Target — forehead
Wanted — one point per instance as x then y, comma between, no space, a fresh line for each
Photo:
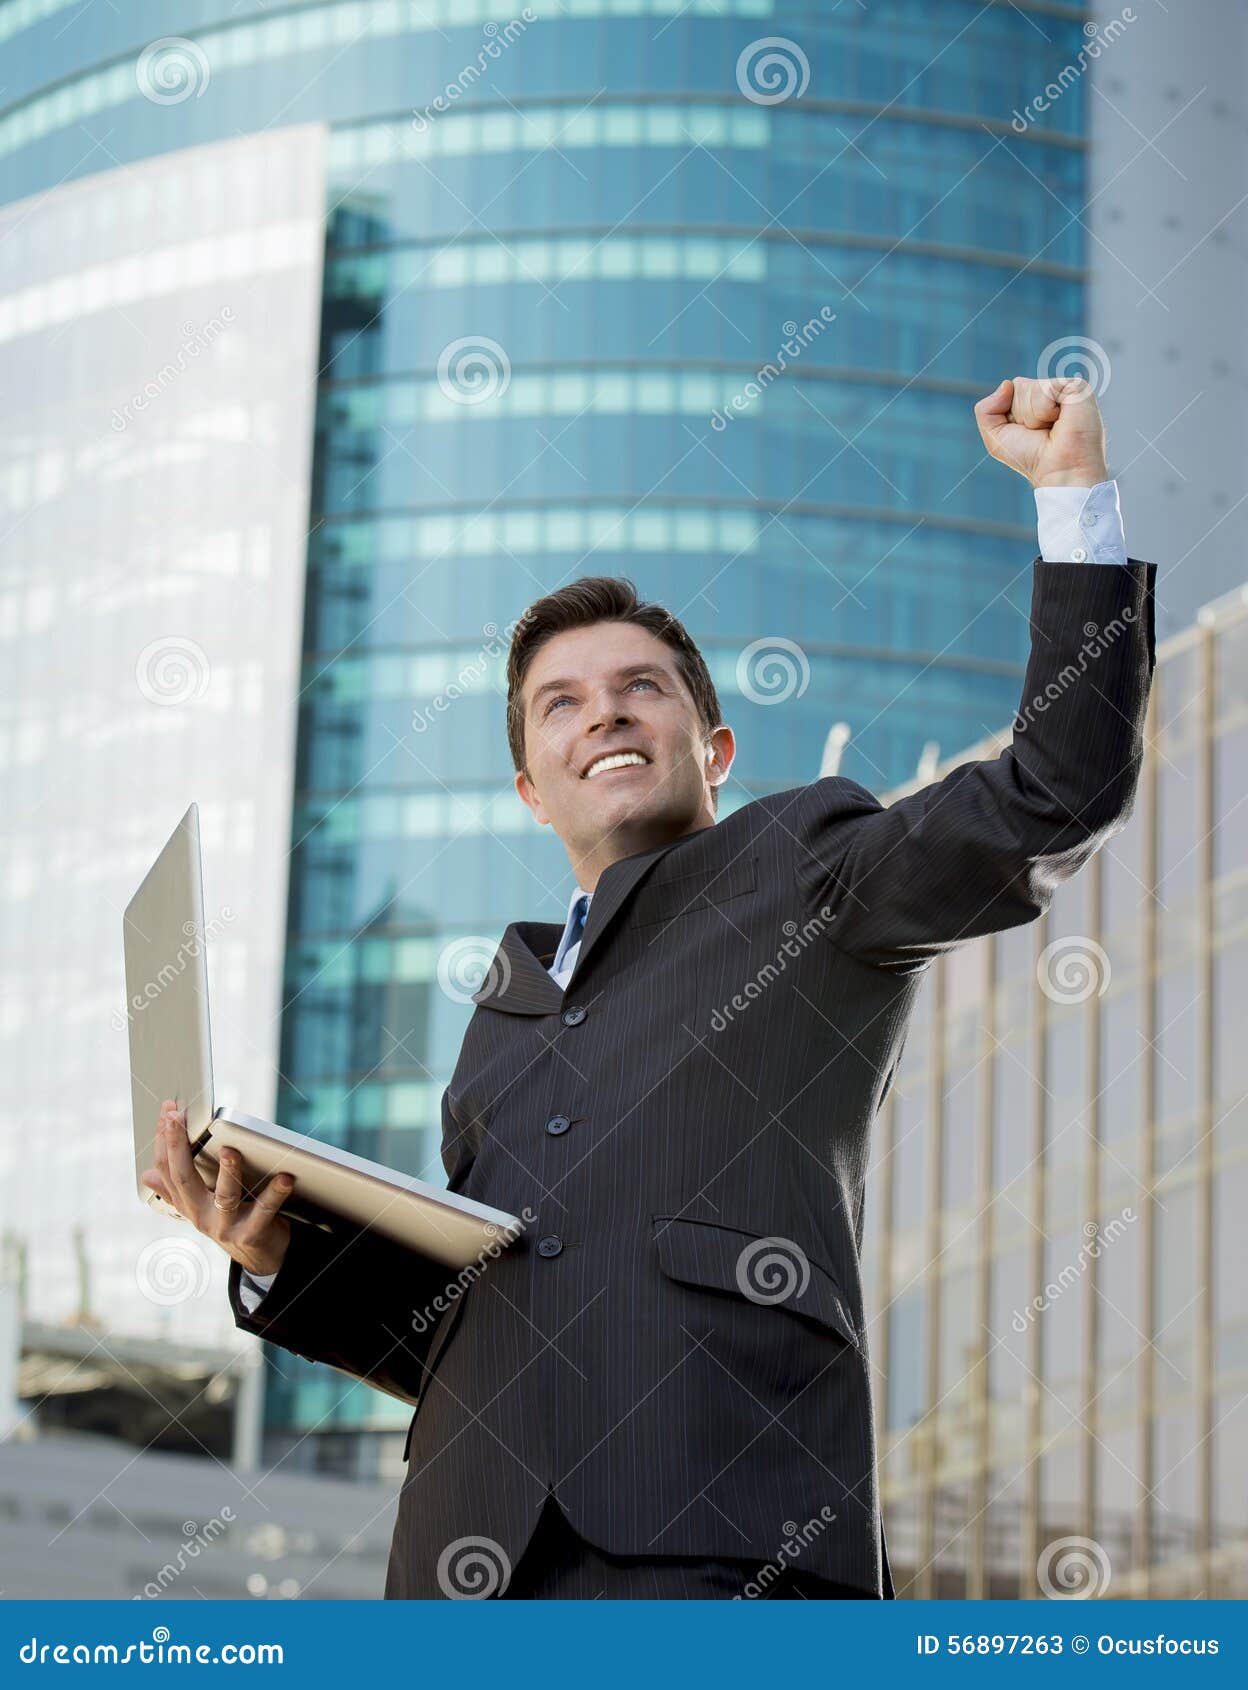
595,653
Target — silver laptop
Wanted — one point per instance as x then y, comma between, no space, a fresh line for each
171,1056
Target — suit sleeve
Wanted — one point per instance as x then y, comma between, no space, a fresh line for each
984,848
357,1300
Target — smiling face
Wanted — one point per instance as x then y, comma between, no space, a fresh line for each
617,759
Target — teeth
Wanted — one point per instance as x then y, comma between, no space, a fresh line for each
621,760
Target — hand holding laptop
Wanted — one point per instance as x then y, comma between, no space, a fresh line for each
252,1233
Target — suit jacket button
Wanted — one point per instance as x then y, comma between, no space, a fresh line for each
557,1124
550,1245
574,1017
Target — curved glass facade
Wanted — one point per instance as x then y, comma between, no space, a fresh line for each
636,236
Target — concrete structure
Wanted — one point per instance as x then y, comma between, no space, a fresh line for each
1055,1240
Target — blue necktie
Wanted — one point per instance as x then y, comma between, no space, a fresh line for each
575,928
579,912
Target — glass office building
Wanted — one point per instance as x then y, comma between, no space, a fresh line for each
1055,1232
698,293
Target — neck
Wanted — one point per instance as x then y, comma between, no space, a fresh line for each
593,863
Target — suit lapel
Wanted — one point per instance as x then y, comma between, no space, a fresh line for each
518,981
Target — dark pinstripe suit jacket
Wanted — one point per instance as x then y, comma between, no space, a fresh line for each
685,1365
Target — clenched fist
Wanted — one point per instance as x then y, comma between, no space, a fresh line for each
1047,428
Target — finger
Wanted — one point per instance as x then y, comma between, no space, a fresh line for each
227,1193
270,1200
153,1181
992,411
168,1110
1035,401
191,1193
993,418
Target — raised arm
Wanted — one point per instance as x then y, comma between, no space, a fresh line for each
984,848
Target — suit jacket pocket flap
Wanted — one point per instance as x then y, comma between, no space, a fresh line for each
772,1271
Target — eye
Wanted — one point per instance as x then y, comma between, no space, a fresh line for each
643,681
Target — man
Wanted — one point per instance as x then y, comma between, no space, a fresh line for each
662,1388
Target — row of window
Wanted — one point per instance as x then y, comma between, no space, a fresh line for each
331,25
477,383
563,128
613,257
557,260
555,528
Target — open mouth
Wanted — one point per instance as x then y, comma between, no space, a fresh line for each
613,762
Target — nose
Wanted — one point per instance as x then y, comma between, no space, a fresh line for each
609,713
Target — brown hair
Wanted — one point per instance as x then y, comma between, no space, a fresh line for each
602,598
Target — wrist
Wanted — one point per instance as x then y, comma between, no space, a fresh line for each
1087,475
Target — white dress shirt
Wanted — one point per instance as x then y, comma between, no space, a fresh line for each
1075,525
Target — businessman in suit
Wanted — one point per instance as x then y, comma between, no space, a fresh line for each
662,1388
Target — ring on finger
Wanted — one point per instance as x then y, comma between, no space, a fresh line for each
227,1208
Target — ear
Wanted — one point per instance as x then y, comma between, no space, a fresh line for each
720,754
528,794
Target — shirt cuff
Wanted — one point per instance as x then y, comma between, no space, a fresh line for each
1080,524
252,1287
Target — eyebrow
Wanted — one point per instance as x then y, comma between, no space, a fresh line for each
620,675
